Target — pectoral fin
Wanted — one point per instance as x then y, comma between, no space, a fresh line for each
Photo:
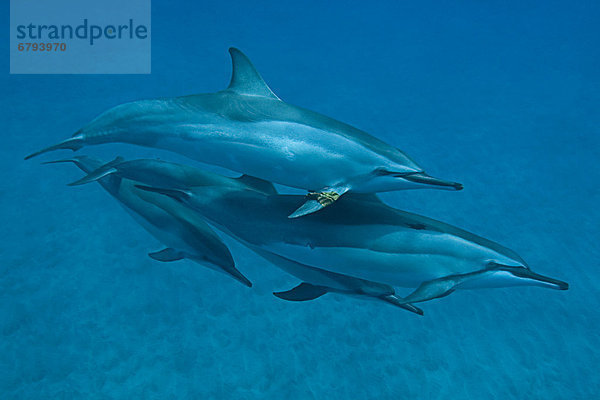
315,201
302,292
167,255
431,290
99,173
309,207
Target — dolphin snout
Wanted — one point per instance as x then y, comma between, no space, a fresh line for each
423,178
549,282
538,279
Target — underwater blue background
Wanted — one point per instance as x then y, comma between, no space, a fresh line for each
501,96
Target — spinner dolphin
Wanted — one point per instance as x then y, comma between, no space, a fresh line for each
184,233
248,129
364,238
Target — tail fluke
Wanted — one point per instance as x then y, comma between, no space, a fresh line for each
74,143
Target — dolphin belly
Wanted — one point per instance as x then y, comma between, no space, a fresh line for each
401,270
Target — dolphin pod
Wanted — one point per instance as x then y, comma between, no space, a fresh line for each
355,245
248,129
360,246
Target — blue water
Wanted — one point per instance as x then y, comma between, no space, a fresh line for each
501,96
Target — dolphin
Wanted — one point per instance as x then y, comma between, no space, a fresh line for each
361,238
185,234
181,176
364,238
248,129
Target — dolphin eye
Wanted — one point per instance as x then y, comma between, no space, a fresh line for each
386,172
417,226
381,172
395,174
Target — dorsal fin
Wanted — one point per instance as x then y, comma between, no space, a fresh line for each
258,184
245,79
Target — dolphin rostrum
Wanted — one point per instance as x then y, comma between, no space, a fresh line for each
360,238
185,234
248,129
